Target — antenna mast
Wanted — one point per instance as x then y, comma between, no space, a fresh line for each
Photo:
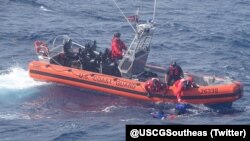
138,51
154,11
124,16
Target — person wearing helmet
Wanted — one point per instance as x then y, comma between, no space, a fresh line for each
67,45
154,85
173,73
68,52
117,47
183,84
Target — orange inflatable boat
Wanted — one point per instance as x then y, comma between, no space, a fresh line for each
67,62
210,94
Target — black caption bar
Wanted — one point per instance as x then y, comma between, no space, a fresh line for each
209,132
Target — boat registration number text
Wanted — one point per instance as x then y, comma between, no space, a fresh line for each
209,91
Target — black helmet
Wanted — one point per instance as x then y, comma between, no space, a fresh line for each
155,81
173,63
67,43
66,39
117,34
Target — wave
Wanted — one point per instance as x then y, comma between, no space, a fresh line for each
13,115
71,136
17,78
109,108
44,8
15,84
244,43
27,2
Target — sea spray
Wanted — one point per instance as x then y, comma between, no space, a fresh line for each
15,83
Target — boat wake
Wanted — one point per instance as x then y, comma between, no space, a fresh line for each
16,83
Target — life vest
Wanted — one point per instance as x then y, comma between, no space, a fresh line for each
179,88
181,85
41,48
184,83
155,85
174,72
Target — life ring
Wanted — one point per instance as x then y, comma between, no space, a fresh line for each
41,48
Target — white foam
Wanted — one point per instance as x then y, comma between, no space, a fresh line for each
109,108
127,120
12,116
16,79
44,8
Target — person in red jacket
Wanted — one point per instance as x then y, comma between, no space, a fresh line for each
117,47
154,85
183,84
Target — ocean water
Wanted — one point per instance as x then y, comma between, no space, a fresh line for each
205,37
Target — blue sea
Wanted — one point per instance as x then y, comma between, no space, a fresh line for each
204,37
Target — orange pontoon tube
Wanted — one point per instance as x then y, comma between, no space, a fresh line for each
131,88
